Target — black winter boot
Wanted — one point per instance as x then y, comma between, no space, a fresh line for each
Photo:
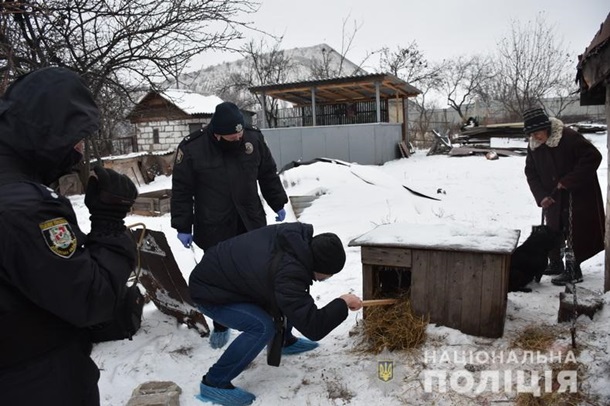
555,267
565,277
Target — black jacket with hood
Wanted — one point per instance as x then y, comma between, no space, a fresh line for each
238,270
215,192
54,279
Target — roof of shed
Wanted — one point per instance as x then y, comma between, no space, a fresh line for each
593,68
340,90
191,102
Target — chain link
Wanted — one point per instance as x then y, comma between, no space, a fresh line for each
571,269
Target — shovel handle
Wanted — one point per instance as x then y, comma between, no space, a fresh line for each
378,302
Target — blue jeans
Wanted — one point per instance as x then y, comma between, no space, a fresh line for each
257,329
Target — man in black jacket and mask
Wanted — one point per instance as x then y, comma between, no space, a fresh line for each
243,281
55,281
215,181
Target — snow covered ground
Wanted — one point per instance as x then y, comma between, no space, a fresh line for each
475,193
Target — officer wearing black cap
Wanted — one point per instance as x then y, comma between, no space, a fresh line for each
217,173
245,280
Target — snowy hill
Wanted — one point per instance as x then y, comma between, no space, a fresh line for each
304,60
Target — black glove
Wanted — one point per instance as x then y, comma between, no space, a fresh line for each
109,197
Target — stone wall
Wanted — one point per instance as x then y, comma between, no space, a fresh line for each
170,133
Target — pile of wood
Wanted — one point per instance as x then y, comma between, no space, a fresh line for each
480,136
498,139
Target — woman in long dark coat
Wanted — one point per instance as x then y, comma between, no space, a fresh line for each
561,163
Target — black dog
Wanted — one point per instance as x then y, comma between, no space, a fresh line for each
529,260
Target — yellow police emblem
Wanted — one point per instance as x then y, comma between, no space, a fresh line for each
59,237
179,155
385,370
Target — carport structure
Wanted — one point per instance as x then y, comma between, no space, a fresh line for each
353,99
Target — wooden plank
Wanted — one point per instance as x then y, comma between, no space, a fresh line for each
471,294
437,286
419,283
455,280
367,284
398,257
504,286
378,302
367,281
493,308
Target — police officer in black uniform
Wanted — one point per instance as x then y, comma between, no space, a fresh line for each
55,281
216,175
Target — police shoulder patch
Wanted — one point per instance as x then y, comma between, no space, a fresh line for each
179,155
59,237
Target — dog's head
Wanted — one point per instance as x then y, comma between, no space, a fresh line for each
543,237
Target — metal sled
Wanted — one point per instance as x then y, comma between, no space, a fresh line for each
164,282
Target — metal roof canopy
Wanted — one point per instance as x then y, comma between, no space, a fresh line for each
340,90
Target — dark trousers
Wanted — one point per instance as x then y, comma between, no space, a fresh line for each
65,376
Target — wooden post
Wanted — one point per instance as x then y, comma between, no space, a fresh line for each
377,101
607,244
313,106
264,99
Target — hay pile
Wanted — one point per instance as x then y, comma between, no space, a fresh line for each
556,398
540,338
535,338
393,327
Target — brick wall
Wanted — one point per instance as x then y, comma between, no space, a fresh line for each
170,133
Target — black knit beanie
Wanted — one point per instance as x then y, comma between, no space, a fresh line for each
328,253
227,119
535,119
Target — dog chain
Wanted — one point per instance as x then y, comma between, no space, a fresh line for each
571,272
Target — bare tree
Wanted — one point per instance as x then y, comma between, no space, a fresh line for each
117,46
265,65
563,94
531,65
332,64
410,65
463,79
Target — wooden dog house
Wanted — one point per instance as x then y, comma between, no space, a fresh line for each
154,203
457,276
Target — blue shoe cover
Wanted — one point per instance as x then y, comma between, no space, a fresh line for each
219,339
301,345
226,397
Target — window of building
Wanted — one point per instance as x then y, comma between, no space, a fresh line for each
195,127
155,136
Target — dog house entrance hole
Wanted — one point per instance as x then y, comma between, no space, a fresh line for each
390,282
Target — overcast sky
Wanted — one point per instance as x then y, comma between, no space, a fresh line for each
441,28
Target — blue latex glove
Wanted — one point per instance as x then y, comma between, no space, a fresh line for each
219,339
186,239
281,215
